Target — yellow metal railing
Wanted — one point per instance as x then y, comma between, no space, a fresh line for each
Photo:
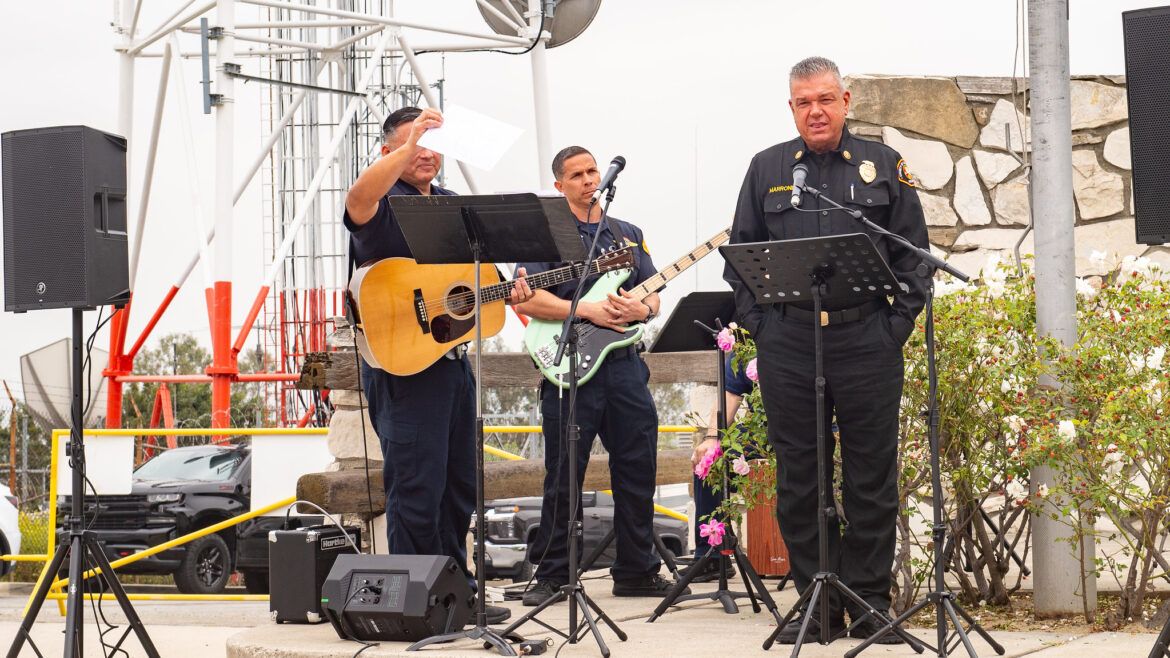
59,584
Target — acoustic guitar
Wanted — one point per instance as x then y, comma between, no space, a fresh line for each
409,315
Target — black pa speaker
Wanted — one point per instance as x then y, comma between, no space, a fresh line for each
402,598
64,218
1147,72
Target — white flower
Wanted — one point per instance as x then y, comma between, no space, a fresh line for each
1067,430
991,271
1097,259
1012,384
1016,489
1114,461
1154,359
1015,423
995,288
1085,289
1042,491
1114,315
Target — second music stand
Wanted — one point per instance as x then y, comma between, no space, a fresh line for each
687,331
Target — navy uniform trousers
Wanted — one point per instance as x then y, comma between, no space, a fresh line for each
426,425
863,370
615,404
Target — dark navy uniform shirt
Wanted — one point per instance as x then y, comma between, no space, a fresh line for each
736,383
860,174
630,234
381,237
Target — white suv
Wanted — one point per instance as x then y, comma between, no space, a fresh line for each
9,528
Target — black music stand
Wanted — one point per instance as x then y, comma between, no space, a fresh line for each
839,268
686,331
477,229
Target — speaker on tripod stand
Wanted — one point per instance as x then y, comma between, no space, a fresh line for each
65,247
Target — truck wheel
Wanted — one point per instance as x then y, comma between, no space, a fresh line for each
206,567
256,582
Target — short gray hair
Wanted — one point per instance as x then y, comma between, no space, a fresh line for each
813,66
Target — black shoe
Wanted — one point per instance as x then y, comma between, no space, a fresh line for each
710,571
790,631
540,592
869,626
646,586
496,614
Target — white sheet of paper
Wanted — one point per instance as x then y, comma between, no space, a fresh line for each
278,461
471,137
109,465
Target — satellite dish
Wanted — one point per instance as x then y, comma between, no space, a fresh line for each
565,21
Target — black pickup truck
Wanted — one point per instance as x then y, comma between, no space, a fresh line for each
176,492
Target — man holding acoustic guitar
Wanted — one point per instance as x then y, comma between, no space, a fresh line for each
425,420
614,404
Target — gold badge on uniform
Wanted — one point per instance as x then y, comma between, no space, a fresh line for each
846,155
867,170
798,154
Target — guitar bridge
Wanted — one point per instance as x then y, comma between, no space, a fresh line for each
420,311
545,355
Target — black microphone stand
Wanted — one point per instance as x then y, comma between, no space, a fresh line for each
946,608
573,590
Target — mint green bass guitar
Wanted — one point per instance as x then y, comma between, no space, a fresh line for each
594,342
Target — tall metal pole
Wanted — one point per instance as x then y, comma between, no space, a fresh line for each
1057,571
223,366
540,102
118,364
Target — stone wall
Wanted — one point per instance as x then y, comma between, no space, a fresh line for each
954,134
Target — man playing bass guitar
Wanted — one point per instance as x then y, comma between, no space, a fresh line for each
615,405
425,422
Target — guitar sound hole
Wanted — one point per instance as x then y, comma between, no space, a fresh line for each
460,301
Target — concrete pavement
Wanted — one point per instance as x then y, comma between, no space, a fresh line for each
695,629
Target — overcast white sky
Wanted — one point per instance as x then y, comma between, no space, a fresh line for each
686,90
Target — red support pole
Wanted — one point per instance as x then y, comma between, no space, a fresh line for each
162,307
223,362
117,365
257,304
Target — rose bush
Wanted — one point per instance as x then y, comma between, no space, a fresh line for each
1010,401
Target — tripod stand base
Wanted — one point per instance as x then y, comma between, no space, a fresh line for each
1161,647
584,604
811,597
491,638
751,580
944,603
80,545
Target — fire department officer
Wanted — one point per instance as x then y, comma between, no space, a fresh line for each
862,342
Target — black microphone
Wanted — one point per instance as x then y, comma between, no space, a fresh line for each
615,168
799,173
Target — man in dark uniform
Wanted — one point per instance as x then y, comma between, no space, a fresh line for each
862,343
614,404
425,422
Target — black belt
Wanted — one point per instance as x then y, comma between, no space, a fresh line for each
626,352
841,316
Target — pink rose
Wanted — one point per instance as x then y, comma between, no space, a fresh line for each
725,340
713,531
741,466
751,371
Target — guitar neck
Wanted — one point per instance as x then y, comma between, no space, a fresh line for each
658,281
540,280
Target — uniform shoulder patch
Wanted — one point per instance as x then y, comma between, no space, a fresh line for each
644,248
904,174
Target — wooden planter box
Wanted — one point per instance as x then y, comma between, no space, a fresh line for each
765,546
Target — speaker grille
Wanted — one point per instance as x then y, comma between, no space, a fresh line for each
1147,70
64,218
